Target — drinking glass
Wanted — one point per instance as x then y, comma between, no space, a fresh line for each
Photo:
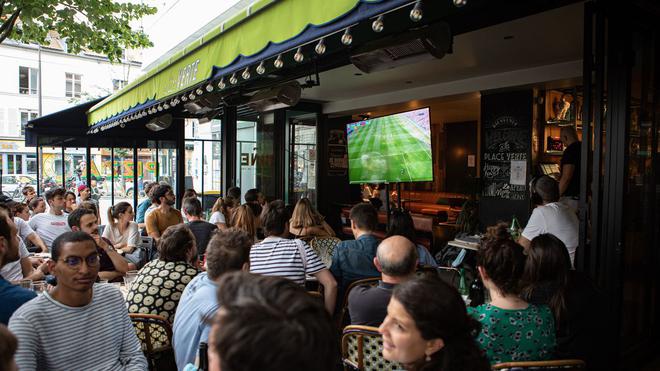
40,287
26,284
129,278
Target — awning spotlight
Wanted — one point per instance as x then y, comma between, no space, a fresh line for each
199,91
460,3
261,69
209,88
378,25
246,73
279,63
221,83
347,38
299,56
233,79
416,13
320,47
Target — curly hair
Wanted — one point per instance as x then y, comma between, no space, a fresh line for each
439,312
175,243
502,259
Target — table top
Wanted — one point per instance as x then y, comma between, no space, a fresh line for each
464,244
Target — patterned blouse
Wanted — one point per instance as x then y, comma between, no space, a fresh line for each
158,288
509,335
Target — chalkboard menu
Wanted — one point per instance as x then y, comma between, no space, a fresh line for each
506,122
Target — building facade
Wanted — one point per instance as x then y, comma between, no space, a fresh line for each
66,79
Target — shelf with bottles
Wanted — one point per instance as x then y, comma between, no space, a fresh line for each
563,107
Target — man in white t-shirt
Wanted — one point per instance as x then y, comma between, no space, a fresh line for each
26,233
51,224
551,216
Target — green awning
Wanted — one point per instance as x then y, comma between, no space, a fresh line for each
266,22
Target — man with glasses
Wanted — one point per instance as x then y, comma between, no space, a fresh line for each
53,223
164,215
79,325
112,264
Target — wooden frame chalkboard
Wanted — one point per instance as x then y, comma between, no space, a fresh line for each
506,127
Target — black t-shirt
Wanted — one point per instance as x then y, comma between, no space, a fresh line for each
203,232
572,157
367,305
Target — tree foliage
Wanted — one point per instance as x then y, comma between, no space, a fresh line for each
101,26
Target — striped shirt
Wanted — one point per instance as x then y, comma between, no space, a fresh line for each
276,256
98,336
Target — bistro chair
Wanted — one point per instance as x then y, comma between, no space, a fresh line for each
324,247
450,275
558,364
344,318
361,349
155,335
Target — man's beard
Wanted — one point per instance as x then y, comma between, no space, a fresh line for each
170,203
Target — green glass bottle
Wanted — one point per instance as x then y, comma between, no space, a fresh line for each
463,288
514,229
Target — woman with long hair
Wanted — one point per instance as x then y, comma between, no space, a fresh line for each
513,329
69,202
427,328
221,211
123,232
242,218
401,223
572,297
307,222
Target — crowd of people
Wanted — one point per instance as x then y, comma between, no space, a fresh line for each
237,282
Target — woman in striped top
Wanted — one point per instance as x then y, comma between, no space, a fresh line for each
293,259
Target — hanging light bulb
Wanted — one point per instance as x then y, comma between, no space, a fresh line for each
460,3
192,96
347,38
159,108
199,91
166,106
416,13
279,63
299,57
233,79
209,88
184,98
378,24
320,47
221,83
261,69
246,73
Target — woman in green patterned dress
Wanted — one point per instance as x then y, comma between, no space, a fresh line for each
512,329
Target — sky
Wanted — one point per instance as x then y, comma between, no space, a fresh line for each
176,20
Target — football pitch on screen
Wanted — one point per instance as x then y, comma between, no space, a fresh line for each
389,149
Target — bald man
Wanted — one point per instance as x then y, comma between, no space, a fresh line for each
396,260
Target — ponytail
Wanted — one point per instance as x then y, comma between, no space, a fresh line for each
115,211
111,218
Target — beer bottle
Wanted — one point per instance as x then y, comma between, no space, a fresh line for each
514,229
203,357
462,286
476,293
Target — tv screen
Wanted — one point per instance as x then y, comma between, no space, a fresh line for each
394,148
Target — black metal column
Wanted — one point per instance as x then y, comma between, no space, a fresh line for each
228,135
180,160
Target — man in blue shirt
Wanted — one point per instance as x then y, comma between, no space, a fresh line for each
11,296
226,252
353,260
144,205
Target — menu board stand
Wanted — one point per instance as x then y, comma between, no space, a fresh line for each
506,126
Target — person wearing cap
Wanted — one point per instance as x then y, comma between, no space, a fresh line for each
84,193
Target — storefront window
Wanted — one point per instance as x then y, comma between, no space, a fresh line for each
265,157
146,170
51,168
122,164
246,155
203,148
101,170
167,164
75,168
301,181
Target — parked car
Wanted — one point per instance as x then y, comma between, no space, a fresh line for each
12,185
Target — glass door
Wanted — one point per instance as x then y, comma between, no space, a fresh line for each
302,157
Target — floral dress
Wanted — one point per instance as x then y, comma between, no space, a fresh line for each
158,288
515,335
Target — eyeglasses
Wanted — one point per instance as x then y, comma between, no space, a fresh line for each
76,261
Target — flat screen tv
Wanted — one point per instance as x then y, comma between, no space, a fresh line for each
390,149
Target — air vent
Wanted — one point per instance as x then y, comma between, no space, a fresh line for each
433,41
